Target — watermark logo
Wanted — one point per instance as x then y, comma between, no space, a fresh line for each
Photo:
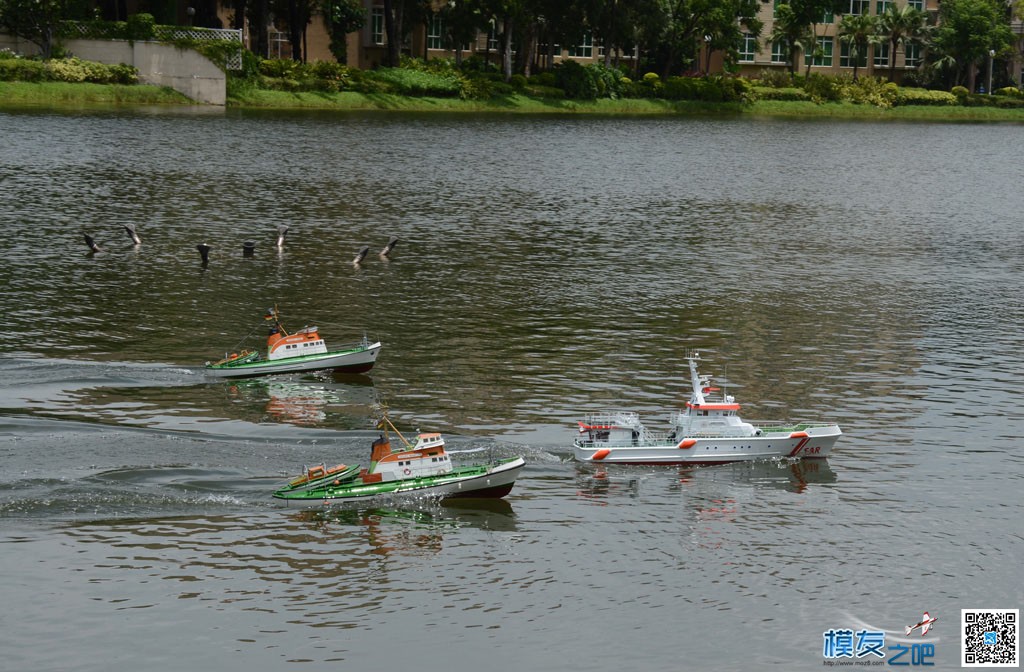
848,646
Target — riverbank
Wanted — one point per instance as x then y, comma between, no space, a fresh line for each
62,94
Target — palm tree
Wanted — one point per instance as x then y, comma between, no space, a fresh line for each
859,31
904,25
789,29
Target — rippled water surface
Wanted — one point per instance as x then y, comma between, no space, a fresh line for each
870,274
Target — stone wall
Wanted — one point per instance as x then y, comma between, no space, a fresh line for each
183,70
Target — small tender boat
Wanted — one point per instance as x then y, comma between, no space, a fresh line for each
320,475
709,431
422,469
303,350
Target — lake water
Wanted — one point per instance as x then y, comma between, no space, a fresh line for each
866,273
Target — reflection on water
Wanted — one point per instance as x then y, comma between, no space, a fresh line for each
568,275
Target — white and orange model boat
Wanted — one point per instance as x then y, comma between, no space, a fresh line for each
301,351
709,431
422,469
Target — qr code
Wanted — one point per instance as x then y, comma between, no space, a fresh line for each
989,637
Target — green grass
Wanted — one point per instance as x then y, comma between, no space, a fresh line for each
65,93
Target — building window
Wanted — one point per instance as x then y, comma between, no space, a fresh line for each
435,31
917,4
780,52
859,7
377,25
847,61
822,54
913,57
882,5
748,47
827,16
585,49
881,55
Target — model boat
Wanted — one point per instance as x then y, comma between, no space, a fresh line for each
423,468
709,431
298,352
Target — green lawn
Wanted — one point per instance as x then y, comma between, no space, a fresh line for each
63,94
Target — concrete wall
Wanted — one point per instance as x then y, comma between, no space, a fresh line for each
183,70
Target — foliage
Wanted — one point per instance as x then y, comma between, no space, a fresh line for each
870,91
342,17
1011,91
72,70
22,70
967,31
576,81
823,88
37,20
902,25
140,27
779,93
418,82
859,31
779,79
960,91
912,96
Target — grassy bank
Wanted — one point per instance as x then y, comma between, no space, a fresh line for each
66,93
63,94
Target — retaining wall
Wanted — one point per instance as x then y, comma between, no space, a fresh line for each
183,70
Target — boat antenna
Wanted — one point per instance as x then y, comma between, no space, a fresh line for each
385,422
274,315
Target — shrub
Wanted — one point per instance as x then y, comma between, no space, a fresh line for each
576,81
140,26
22,70
651,78
960,91
788,93
1011,91
540,91
279,67
913,96
869,91
607,80
777,79
823,89
518,82
544,79
418,82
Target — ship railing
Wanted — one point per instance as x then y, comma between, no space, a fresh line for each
784,426
627,419
645,437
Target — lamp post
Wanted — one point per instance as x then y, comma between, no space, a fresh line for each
707,51
991,57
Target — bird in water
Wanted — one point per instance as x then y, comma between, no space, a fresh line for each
386,252
204,252
360,255
282,231
130,228
93,246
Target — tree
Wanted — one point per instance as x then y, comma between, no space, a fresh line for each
297,15
35,20
791,30
902,25
859,31
967,31
342,17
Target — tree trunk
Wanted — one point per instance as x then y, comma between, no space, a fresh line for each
506,48
294,30
393,30
258,29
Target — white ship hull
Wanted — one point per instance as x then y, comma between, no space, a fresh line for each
359,360
809,441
